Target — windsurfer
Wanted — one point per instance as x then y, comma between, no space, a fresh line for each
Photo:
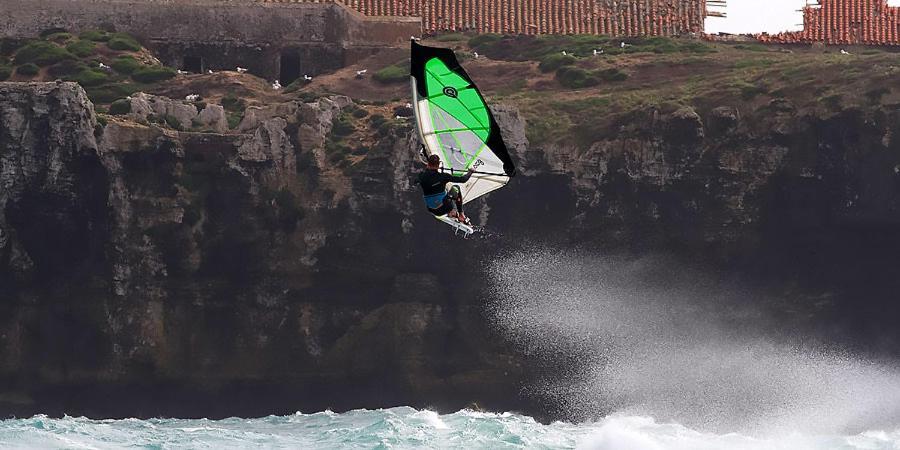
434,188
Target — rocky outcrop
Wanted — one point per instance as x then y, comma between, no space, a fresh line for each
178,114
146,264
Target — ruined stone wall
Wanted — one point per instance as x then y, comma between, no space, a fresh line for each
225,35
197,21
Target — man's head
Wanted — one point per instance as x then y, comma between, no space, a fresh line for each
434,162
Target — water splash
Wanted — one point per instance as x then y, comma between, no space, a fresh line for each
650,337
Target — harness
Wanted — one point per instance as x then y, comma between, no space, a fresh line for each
435,201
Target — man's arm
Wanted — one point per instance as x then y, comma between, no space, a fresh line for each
458,178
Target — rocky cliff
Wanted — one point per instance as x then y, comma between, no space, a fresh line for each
147,271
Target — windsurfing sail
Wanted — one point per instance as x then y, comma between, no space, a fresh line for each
455,123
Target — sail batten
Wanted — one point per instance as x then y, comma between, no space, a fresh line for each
455,123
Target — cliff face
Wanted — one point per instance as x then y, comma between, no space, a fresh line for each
153,272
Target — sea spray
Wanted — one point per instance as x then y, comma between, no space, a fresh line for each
652,337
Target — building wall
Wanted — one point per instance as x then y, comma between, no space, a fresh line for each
846,22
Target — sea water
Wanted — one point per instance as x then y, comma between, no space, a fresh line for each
404,428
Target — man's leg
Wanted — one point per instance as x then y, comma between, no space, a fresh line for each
456,195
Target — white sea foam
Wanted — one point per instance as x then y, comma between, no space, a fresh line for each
407,428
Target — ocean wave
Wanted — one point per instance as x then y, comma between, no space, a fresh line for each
406,428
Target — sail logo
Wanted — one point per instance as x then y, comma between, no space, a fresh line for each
451,92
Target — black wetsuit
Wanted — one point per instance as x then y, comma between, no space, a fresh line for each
434,188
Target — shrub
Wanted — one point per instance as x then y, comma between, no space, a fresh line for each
66,68
8,46
95,35
51,31
173,122
376,120
110,92
359,113
5,72
552,62
340,127
120,107
90,77
42,53
60,38
81,49
123,42
28,69
576,77
612,74
125,65
233,104
234,119
392,74
152,74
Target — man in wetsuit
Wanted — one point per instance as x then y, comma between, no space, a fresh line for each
434,188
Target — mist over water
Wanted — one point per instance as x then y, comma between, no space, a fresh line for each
650,337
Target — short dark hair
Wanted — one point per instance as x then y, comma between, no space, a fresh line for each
434,160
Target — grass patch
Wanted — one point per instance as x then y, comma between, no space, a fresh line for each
82,48
125,65
5,72
95,35
752,62
42,53
397,73
152,74
66,68
874,95
120,107
28,70
452,37
359,113
751,47
123,42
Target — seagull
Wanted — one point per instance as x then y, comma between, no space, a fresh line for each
103,66
564,53
475,54
276,85
598,52
192,97
241,70
209,71
307,77
181,72
409,105
359,73
624,44
844,52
